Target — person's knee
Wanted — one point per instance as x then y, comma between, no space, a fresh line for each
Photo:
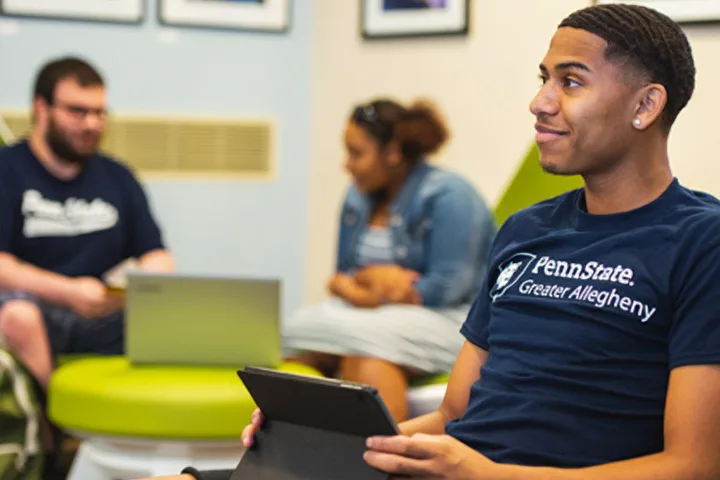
20,323
369,368
327,364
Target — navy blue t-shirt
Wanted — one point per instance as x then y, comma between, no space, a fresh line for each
583,317
81,227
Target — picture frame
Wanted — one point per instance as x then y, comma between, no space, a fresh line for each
386,19
107,11
682,11
250,15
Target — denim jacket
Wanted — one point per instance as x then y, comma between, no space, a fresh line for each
441,228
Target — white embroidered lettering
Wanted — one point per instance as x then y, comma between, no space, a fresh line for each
45,218
589,271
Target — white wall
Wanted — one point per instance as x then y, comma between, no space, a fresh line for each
483,83
695,142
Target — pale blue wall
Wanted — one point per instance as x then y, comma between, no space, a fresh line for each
254,228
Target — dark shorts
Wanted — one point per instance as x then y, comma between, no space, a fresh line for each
71,334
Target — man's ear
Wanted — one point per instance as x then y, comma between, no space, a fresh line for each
40,109
650,105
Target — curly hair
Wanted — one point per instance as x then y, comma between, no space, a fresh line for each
647,40
418,128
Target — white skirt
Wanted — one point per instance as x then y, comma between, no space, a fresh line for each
412,336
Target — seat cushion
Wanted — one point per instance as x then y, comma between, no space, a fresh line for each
426,394
65,359
439,379
109,396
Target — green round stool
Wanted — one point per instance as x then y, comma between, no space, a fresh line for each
146,421
426,394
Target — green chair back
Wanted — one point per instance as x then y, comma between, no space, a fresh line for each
531,184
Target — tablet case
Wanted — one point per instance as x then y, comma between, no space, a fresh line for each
314,429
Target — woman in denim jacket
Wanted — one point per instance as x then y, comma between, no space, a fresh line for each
413,247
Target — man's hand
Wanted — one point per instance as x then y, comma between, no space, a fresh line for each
428,457
89,298
392,283
248,433
157,261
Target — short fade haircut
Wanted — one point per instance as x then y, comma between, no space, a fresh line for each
648,41
59,69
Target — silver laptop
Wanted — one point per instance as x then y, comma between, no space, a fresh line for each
173,319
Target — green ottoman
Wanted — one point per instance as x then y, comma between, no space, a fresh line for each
145,421
426,394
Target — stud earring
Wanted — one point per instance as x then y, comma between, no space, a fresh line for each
637,122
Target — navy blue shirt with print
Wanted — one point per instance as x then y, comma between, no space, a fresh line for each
81,227
583,317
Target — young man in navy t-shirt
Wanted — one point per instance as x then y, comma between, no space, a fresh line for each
593,349
68,214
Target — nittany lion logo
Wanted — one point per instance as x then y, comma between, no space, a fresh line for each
507,274
510,272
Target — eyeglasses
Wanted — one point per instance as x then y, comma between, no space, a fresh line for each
80,113
367,115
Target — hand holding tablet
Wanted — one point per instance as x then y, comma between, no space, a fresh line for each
310,428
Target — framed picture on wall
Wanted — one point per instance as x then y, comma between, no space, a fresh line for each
682,11
413,18
118,11
262,15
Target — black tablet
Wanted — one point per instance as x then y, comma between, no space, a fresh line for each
315,428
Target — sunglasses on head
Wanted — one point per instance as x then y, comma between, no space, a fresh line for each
367,116
366,113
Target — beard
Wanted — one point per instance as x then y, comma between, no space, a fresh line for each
63,148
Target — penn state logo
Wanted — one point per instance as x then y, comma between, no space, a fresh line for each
510,272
